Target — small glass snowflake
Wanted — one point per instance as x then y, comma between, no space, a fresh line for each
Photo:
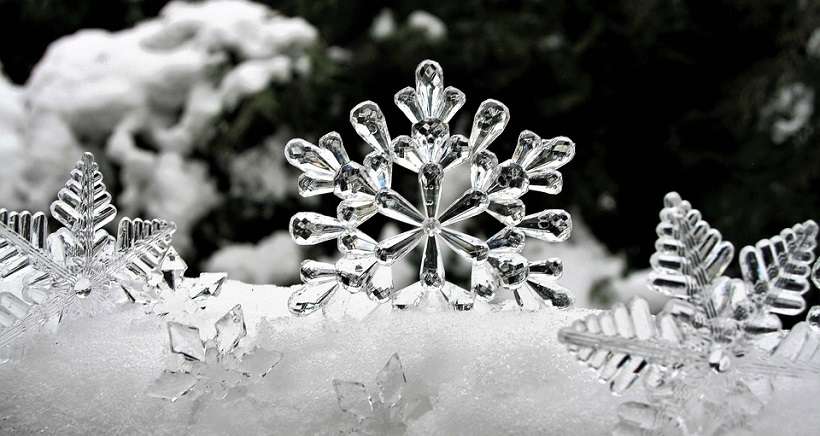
215,366
430,151
77,268
701,359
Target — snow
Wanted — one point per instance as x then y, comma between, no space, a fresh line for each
491,373
384,25
789,111
427,23
274,259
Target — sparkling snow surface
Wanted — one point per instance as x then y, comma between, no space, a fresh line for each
491,373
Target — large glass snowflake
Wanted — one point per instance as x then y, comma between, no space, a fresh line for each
430,151
78,267
702,359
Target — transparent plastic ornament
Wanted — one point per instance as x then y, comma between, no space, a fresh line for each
215,366
430,151
700,359
79,268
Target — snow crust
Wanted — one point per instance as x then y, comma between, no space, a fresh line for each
492,373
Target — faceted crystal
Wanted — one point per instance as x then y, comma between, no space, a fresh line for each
173,268
431,275
510,268
332,142
509,212
230,329
465,245
557,295
489,122
311,159
482,170
549,269
308,228
356,243
431,135
551,225
380,170
407,101
369,122
353,398
355,272
430,178
431,226
453,101
393,205
310,186
308,298
259,362
527,148
527,299
470,204
510,182
396,247
207,284
172,385
509,240
314,272
355,211
390,382
554,154
547,181
354,180
408,153
185,341
482,281
456,150
813,318
429,87
380,285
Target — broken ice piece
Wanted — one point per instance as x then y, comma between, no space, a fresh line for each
353,398
173,269
390,381
207,284
185,340
230,329
258,362
172,385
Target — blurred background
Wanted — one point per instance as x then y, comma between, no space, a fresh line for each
188,105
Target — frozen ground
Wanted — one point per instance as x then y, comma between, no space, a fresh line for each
496,373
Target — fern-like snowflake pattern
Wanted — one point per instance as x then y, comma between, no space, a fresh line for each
430,151
78,267
700,359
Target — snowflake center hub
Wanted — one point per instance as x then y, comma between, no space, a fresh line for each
431,226
82,287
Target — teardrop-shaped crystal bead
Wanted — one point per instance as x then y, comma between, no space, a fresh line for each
482,169
509,268
459,298
353,273
509,212
380,285
310,185
467,246
559,296
431,134
453,101
311,159
309,298
368,120
482,281
353,180
379,169
332,142
554,154
509,240
354,211
551,225
431,274
547,181
429,87
392,204
408,153
430,178
456,150
527,148
308,228
396,247
489,121
314,272
510,182
407,101
548,269
470,204
356,243
527,299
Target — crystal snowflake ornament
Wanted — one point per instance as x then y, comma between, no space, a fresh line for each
430,151
383,407
215,366
80,266
701,359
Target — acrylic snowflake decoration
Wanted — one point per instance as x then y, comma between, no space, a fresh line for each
430,151
383,407
79,266
215,366
700,359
